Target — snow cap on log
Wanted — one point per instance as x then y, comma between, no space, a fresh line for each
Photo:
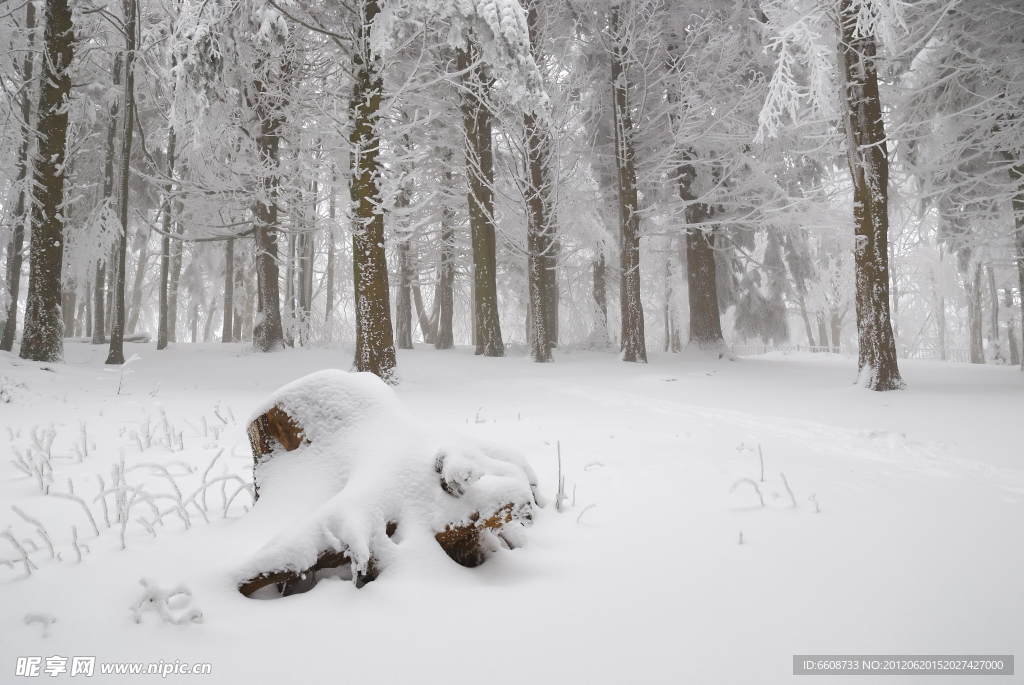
341,466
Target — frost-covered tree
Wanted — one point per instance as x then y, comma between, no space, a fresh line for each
857,33
44,325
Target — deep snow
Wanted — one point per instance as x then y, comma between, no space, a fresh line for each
918,547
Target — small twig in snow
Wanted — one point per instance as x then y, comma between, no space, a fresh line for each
75,498
747,480
102,498
24,555
74,542
589,506
786,483
39,528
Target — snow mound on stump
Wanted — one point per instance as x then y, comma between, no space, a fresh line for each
341,467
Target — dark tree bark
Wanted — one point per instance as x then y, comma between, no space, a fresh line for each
551,290
162,327
701,279
480,171
837,328
268,333
238,312
869,169
17,244
227,331
444,293
140,277
101,312
306,241
116,352
375,349
99,296
633,343
822,331
539,233
599,290
403,308
43,336
426,328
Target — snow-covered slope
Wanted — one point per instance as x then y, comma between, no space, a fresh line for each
891,522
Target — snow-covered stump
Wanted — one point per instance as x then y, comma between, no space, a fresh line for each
347,476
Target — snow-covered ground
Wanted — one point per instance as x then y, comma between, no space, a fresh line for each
904,533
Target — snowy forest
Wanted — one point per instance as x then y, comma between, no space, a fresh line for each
506,341
639,174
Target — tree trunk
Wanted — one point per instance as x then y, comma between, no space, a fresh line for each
837,325
633,343
671,325
99,297
972,284
268,333
823,332
289,294
806,318
238,308
599,291
375,349
994,341
403,308
1010,334
329,312
701,279
305,244
17,244
539,233
116,353
444,293
251,296
1017,174
210,316
227,331
109,264
140,277
42,339
68,300
88,310
174,280
869,170
426,329
165,245
551,290
480,172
